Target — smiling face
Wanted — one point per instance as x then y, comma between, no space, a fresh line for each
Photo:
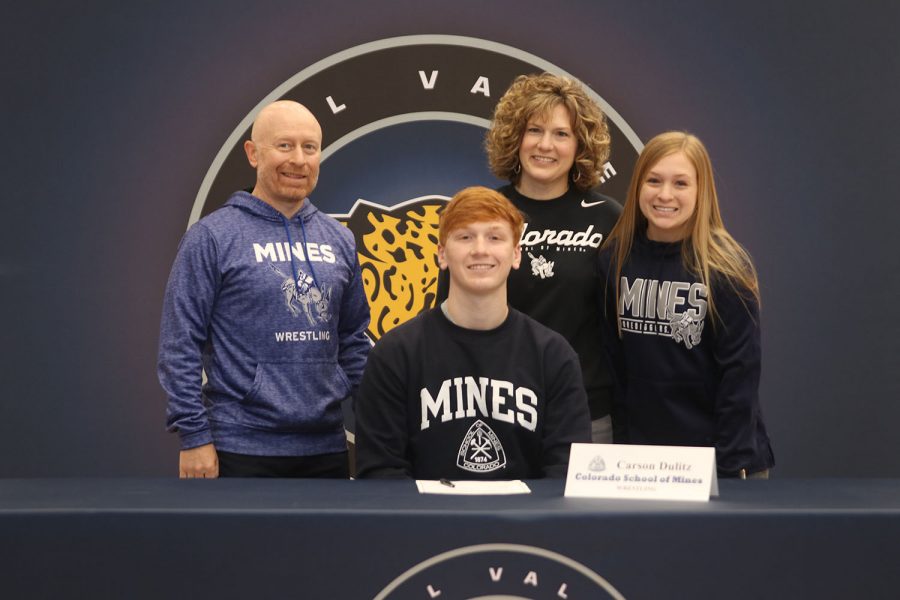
479,257
668,198
547,153
285,150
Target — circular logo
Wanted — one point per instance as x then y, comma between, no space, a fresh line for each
403,122
500,572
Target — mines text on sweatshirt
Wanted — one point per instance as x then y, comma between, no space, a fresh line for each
440,401
684,380
273,310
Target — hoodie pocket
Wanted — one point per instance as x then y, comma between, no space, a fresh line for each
674,413
296,397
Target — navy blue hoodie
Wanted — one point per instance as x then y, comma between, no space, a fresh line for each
273,310
682,379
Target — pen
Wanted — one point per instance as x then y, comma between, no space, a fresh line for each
447,482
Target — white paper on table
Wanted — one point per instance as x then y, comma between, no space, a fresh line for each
473,488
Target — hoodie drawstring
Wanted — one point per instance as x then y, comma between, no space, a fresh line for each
306,255
287,230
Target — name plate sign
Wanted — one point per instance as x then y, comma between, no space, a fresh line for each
650,472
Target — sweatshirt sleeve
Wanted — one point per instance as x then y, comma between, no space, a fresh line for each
612,346
381,433
353,344
737,353
187,309
567,418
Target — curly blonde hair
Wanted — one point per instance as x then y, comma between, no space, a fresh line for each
531,95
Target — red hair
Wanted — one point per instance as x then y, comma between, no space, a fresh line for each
477,205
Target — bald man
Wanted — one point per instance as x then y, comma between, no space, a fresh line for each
265,298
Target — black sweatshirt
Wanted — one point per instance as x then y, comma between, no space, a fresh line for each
440,401
683,378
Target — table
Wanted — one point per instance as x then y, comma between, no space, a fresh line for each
169,538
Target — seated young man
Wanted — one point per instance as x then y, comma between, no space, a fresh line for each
471,389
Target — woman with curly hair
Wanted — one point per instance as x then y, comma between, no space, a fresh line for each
681,309
550,140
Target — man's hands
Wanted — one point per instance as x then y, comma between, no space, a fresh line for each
199,462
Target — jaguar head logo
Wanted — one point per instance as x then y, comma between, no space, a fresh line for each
397,249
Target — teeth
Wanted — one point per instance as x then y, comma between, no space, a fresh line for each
665,208
479,267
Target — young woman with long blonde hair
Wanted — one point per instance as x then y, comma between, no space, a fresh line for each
681,309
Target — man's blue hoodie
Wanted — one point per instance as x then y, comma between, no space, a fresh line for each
274,313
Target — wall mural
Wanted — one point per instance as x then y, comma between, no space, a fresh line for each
403,121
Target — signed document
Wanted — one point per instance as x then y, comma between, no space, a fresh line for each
472,488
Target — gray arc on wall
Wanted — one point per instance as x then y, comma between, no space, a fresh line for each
422,78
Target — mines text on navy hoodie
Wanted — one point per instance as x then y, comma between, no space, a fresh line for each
682,379
273,311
